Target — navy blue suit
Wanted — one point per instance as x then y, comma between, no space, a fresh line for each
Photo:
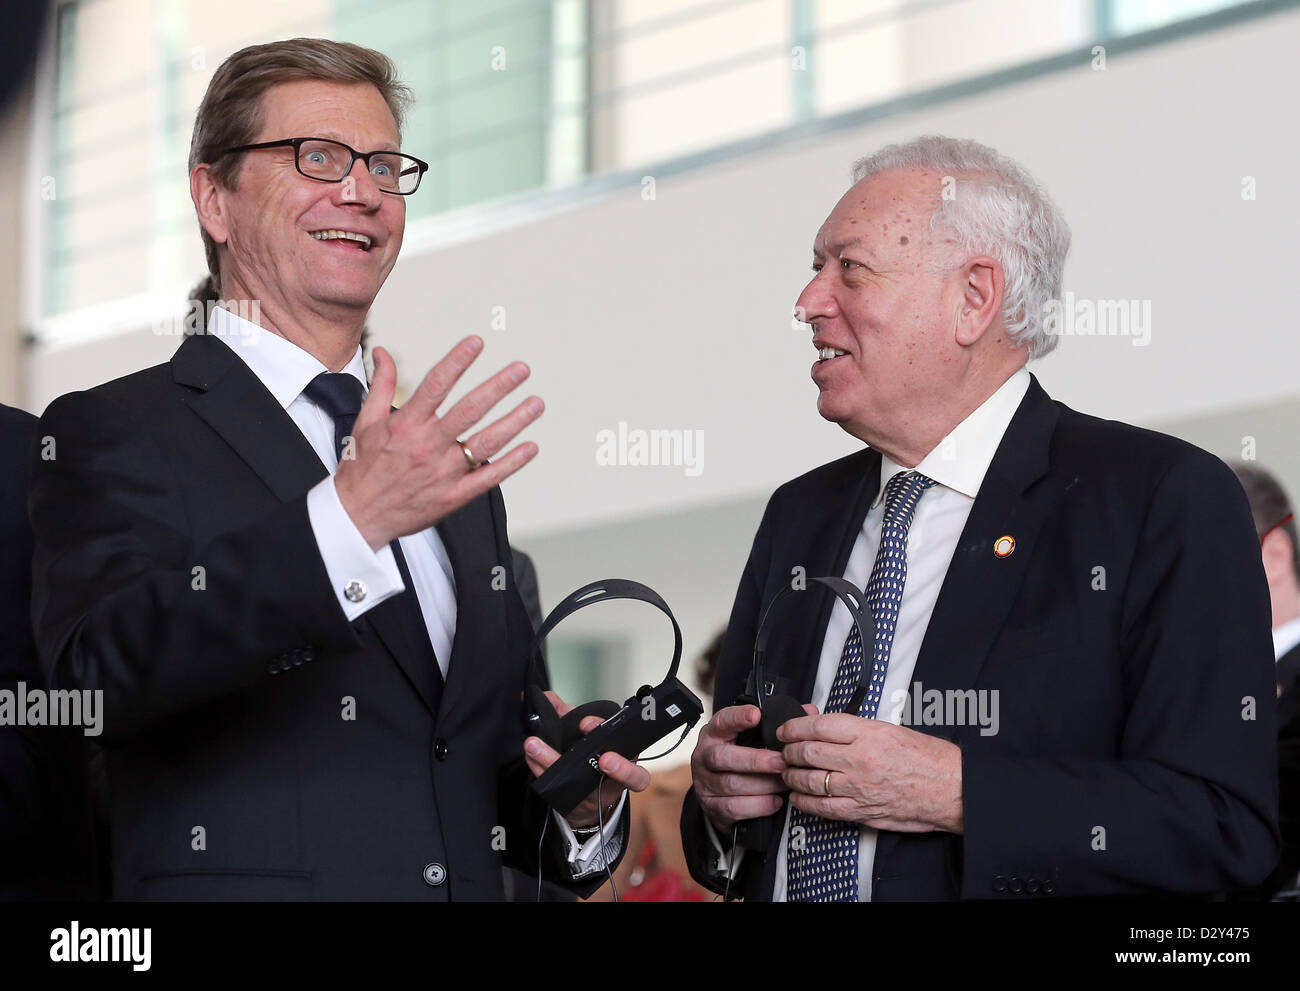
1143,708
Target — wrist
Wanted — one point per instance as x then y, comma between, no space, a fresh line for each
353,507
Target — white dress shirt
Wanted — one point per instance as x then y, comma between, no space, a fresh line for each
286,370
957,465
1285,637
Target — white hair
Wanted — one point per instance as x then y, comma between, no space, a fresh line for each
996,208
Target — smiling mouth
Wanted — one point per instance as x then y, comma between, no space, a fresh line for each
360,240
826,354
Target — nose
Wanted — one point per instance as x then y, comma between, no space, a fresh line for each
817,301
359,186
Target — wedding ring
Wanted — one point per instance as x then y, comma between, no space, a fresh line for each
826,784
469,456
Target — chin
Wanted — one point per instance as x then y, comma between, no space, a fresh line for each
348,296
830,409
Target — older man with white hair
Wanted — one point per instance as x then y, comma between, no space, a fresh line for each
1069,688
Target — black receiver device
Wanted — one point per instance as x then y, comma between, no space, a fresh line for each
645,718
778,708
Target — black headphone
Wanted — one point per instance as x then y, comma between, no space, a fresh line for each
778,709
562,732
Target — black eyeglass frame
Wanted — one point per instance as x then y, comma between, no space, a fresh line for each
296,144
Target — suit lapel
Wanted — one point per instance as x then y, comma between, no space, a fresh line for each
980,587
829,531
234,402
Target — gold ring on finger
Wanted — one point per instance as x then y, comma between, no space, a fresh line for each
826,784
469,456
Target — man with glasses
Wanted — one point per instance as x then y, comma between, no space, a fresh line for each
297,602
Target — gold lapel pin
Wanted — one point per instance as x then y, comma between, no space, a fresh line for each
1003,546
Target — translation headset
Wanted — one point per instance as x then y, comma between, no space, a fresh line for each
628,729
776,708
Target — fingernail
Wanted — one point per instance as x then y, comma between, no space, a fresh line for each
518,372
535,406
475,344
532,746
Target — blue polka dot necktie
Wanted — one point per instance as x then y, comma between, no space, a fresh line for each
822,861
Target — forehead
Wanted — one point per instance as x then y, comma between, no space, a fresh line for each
890,208
354,113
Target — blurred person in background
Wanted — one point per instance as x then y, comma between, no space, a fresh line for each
1280,551
46,847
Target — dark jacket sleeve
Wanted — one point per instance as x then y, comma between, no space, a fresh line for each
734,665
21,753
124,603
1195,776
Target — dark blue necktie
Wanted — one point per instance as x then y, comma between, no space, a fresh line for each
341,396
822,860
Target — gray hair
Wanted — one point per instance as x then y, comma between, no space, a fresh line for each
1000,210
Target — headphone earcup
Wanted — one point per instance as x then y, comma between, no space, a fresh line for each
545,724
570,728
777,711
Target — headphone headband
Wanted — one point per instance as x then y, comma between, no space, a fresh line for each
854,601
602,591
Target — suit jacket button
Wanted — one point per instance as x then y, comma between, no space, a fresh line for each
999,884
440,749
1049,886
434,874
1015,885
1031,886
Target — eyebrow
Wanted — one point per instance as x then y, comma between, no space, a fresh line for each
835,249
335,136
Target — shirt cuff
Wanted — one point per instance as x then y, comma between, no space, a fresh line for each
360,577
601,849
725,864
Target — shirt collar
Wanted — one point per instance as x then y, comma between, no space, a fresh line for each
283,367
1285,637
961,460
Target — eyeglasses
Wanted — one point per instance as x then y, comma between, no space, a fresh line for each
331,161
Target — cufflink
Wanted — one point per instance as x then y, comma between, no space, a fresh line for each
355,591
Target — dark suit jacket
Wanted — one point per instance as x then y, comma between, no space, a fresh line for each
232,772
1121,707
45,834
1288,762
1288,669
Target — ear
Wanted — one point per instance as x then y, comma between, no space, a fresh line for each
982,286
207,196
1276,552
